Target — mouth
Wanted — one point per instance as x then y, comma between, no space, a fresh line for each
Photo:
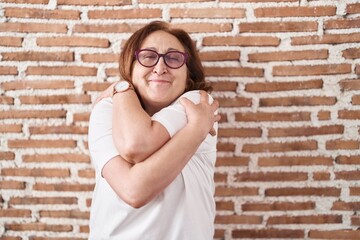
159,81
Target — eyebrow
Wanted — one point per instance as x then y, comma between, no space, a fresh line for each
168,50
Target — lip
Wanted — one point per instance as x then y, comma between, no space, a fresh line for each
159,80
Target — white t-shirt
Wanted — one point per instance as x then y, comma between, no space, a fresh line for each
184,210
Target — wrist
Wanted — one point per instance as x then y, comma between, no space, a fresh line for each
122,86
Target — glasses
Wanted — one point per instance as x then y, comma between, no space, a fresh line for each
172,59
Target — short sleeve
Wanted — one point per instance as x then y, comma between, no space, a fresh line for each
173,117
101,144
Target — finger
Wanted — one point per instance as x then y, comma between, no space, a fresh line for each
217,117
215,105
185,102
212,132
204,96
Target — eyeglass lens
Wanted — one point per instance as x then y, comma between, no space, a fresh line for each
150,58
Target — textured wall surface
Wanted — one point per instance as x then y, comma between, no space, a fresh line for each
286,74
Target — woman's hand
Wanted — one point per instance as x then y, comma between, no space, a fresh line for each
106,93
202,115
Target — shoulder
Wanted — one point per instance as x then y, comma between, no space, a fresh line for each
101,110
193,96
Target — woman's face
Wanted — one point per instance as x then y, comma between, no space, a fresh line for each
159,86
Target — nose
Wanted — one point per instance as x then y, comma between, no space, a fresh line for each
160,67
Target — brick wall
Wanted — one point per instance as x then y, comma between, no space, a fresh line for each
286,73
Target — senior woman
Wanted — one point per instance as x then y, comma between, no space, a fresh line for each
153,143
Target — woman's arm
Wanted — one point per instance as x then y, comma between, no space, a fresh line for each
135,135
138,184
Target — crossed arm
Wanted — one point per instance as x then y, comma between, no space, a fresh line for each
150,160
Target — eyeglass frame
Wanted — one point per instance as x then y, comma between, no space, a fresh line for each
186,56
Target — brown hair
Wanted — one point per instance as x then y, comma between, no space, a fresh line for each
195,74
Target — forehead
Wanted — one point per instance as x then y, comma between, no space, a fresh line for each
162,41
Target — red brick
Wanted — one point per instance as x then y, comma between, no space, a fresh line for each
64,187
256,1
232,161
33,114
241,41
73,214
27,1
41,13
225,206
87,173
288,55
125,14
277,206
321,176
12,185
239,132
11,128
271,117
204,27
352,159
335,234
268,233
280,147
207,13
342,23
305,191
41,143
234,71
33,27
266,27
318,219
346,206
7,155
220,56
56,158
297,101
100,58
11,41
326,39
38,84
350,84
43,201
94,2
270,177
351,53
283,86
38,56
56,99
38,227
238,219
7,100
36,172
106,28
306,131
324,115
62,129
15,213
228,191
348,175
342,144
73,42
223,147
68,70
304,70
294,161
8,70
234,102
353,8
354,191
78,117
349,114
295,11
224,86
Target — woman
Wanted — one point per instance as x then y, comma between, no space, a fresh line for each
150,143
